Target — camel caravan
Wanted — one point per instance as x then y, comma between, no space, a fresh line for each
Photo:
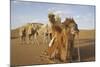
61,34
28,32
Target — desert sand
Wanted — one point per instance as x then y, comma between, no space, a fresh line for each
31,54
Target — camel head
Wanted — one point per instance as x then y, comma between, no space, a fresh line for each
51,17
54,18
69,22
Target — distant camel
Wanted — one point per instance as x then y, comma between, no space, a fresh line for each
31,31
22,33
28,32
60,45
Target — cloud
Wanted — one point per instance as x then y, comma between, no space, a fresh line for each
51,9
77,16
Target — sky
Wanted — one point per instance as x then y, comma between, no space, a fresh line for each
26,12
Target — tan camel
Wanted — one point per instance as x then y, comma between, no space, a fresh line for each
58,47
27,32
61,46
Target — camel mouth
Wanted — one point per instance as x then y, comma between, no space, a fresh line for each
74,31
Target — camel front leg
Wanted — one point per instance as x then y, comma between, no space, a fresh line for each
63,54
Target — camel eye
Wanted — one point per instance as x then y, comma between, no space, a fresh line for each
73,25
51,16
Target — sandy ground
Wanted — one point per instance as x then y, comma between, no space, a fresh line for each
30,54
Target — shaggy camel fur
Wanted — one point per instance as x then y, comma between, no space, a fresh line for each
58,47
71,24
61,45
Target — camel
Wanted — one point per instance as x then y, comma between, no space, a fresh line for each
22,33
58,48
61,45
31,31
28,32
71,24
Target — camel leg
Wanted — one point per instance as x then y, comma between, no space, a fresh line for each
63,55
78,49
32,39
21,39
28,38
52,48
70,50
37,41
